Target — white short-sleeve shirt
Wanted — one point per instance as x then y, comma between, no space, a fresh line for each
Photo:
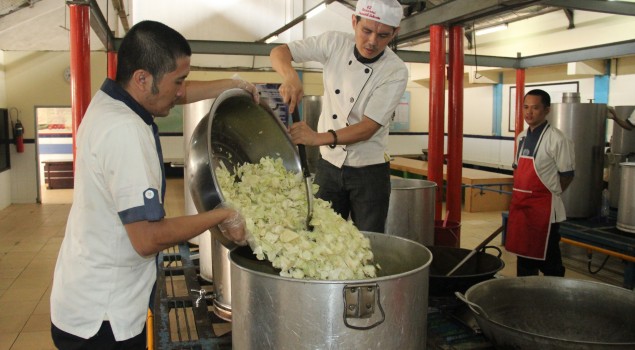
352,90
118,180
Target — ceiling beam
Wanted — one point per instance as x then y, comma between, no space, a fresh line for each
612,7
99,24
455,12
613,50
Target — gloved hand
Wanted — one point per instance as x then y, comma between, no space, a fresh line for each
233,227
247,86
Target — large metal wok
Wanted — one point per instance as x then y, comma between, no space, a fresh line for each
480,267
553,313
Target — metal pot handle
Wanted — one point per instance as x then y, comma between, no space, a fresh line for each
359,302
495,248
479,310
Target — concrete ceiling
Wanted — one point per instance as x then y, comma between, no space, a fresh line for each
233,27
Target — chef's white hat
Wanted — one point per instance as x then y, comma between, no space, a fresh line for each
388,12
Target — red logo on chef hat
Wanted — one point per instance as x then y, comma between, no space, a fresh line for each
369,12
388,12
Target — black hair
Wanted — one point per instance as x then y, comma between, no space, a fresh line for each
544,96
151,46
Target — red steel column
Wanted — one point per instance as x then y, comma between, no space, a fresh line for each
112,64
520,96
455,128
436,111
80,63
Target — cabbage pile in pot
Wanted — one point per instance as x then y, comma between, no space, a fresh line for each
274,204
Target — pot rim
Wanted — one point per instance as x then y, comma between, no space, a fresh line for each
417,270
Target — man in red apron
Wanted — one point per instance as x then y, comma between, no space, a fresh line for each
544,168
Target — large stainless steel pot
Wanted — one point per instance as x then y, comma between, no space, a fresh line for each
274,312
235,131
480,267
411,210
553,313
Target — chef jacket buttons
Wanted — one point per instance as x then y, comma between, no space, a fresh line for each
149,194
337,91
352,100
334,116
366,70
350,62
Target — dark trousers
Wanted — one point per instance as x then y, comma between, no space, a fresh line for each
551,266
103,340
361,193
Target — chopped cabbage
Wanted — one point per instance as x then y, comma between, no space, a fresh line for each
273,202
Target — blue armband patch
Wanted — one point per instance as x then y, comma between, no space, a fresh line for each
152,204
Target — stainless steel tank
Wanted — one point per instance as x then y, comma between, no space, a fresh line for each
622,150
192,115
585,125
626,212
311,109
614,161
623,141
411,210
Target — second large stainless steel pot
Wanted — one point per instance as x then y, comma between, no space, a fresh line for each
387,312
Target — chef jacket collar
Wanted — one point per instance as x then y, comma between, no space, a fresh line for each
115,91
365,60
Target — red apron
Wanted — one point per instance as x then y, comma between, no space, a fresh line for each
529,220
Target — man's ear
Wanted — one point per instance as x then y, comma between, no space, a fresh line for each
140,79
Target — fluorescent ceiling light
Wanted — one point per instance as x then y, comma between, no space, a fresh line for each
271,39
497,28
316,10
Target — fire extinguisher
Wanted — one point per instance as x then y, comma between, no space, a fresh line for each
18,134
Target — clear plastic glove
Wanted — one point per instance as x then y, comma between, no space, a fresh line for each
233,227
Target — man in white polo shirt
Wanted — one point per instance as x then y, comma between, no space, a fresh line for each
363,84
106,266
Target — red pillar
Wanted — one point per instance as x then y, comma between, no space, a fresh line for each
520,96
436,111
80,63
112,64
455,128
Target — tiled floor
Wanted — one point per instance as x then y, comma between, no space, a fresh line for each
30,236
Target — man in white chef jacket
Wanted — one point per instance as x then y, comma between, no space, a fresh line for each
364,81
543,169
